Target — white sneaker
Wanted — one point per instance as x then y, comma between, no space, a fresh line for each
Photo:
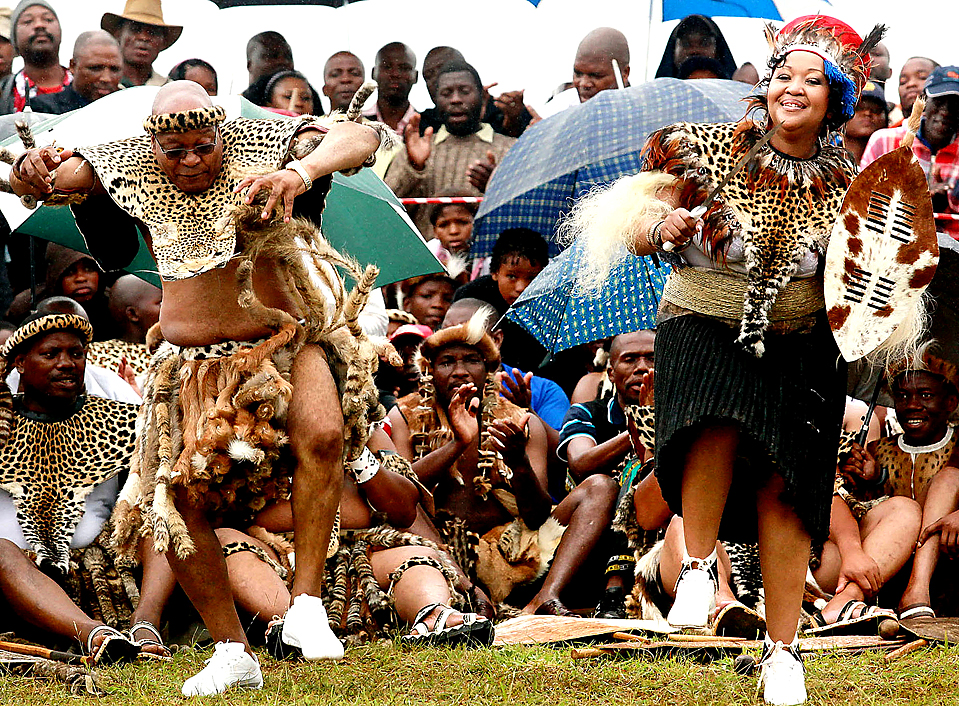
230,666
782,675
695,594
306,626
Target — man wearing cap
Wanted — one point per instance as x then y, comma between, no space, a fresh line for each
242,298
872,113
60,454
35,31
936,145
142,35
96,67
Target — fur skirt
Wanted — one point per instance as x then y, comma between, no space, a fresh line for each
788,406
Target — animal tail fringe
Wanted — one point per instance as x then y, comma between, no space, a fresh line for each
608,219
26,135
358,297
915,118
354,112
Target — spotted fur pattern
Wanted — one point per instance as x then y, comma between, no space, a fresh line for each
780,207
110,354
49,468
185,120
201,234
644,419
50,322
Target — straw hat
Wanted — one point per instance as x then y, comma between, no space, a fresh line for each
5,23
148,12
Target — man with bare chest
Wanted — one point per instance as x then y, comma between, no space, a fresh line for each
484,459
254,344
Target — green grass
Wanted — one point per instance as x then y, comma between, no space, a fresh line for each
380,674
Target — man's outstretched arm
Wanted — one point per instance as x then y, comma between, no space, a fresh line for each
345,146
41,171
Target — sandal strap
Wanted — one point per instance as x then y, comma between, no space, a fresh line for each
146,625
441,620
425,611
846,612
111,633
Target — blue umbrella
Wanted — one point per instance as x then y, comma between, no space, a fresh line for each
560,158
678,9
560,317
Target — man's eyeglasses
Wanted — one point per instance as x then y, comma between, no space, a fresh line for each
179,153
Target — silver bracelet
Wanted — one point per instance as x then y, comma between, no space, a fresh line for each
365,467
295,165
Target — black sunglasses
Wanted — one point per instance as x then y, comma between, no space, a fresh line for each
178,153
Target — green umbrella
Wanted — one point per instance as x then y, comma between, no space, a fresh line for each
363,218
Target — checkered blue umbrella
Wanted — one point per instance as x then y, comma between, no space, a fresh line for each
561,317
560,158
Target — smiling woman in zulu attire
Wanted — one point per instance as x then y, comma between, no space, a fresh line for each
749,399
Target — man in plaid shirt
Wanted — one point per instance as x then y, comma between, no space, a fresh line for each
936,145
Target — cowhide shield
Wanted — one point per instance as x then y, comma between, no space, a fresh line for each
882,253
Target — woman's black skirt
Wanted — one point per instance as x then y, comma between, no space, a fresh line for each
788,406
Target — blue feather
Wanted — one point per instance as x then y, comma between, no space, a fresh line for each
847,89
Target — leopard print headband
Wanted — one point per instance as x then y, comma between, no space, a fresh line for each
186,120
45,324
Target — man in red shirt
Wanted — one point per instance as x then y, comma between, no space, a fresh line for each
936,145
36,34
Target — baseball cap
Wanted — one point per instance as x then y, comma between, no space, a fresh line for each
418,330
875,92
944,81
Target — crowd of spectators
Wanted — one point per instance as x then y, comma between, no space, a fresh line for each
570,458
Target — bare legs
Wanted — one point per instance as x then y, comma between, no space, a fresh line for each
671,563
783,541
256,587
37,598
942,498
707,476
888,534
204,577
783,556
316,435
586,512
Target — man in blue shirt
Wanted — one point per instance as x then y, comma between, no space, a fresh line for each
594,437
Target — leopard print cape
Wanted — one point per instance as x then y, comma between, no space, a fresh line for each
779,206
49,468
193,233
108,354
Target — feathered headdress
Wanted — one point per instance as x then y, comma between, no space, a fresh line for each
844,53
925,361
473,333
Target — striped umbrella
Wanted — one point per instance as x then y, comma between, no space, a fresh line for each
561,317
560,158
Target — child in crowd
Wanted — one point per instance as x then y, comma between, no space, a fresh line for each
428,297
452,225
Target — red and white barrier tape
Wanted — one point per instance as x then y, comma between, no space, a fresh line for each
946,216
441,199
